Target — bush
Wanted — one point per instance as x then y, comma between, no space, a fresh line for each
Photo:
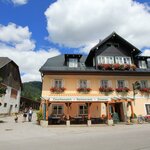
39,115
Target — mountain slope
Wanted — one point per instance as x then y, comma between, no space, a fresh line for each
32,90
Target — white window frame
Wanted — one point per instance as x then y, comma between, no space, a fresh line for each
144,83
73,62
142,64
58,83
104,83
122,85
122,60
83,83
57,109
84,111
146,109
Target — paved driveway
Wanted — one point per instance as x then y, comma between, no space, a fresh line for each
29,136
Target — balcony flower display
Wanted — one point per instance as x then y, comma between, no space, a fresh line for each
116,67
84,90
57,90
124,89
132,67
105,66
108,89
145,90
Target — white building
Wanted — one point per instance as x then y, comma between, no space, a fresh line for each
9,72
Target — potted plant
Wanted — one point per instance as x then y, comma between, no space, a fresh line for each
134,119
110,121
39,116
106,90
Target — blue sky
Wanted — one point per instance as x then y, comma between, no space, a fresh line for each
31,27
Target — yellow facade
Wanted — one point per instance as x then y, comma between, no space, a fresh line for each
70,82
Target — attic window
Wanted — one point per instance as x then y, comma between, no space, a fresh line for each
73,62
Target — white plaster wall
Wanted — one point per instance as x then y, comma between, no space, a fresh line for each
10,101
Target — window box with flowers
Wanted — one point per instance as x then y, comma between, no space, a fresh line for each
105,66
122,90
117,67
107,89
145,90
84,90
57,89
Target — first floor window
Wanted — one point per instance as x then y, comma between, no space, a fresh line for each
83,83
14,93
83,110
142,64
58,83
144,83
104,83
57,110
121,83
147,109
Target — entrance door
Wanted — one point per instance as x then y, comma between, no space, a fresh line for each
10,109
119,110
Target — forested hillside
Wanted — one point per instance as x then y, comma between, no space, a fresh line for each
32,90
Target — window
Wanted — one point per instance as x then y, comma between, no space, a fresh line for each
5,104
142,64
144,83
104,83
105,59
123,60
147,109
73,62
83,83
121,83
110,60
14,93
58,83
57,110
83,110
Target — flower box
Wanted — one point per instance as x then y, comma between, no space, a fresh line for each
84,90
108,89
125,89
116,67
145,90
57,90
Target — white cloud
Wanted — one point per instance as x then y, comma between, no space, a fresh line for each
146,52
16,37
78,23
19,2
16,43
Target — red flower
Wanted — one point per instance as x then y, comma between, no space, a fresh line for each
145,90
84,89
57,90
108,89
125,89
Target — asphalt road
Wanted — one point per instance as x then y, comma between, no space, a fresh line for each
29,136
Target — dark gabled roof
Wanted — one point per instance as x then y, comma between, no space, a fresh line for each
4,61
57,63
135,51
